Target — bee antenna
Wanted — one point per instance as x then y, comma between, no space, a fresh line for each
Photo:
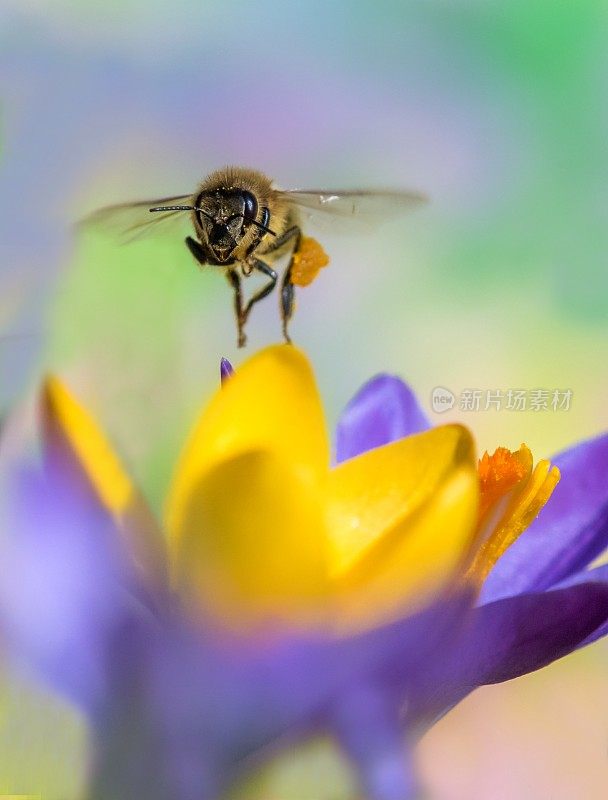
181,208
258,224
172,208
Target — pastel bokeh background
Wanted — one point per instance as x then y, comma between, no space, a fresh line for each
497,109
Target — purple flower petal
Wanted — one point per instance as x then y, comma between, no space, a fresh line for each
509,638
201,706
226,370
63,586
570,531
367,724
521,634
164,709
382,411
597,575
366,707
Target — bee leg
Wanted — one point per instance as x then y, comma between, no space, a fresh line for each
197,250
262,267
290,233
287,303
235,282
288,289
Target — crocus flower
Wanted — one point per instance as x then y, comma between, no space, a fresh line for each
289,596
526,601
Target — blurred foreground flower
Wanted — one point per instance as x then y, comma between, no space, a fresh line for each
292,597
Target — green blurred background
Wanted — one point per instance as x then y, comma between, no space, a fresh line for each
497,109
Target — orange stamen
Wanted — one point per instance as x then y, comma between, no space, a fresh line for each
508,475
499,473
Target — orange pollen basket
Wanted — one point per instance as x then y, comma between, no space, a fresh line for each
309,259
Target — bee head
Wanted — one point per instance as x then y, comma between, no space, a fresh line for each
224,217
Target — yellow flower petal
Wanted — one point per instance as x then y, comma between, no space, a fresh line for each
70,432
252,541
372,493
63,416
271,403
402,517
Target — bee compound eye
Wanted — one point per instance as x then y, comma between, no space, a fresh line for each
251,205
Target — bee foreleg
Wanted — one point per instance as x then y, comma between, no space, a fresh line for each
262,267
235,282
197,250
242,314
290,233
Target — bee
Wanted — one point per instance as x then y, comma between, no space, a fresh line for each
242,224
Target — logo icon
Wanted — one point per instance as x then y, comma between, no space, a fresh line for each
442,399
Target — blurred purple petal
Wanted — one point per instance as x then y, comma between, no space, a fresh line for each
570,531
226,370
382,411
63,585
164,709
509,638
203,706
366,706
368,726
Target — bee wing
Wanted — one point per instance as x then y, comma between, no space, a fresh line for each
353,207
131,221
